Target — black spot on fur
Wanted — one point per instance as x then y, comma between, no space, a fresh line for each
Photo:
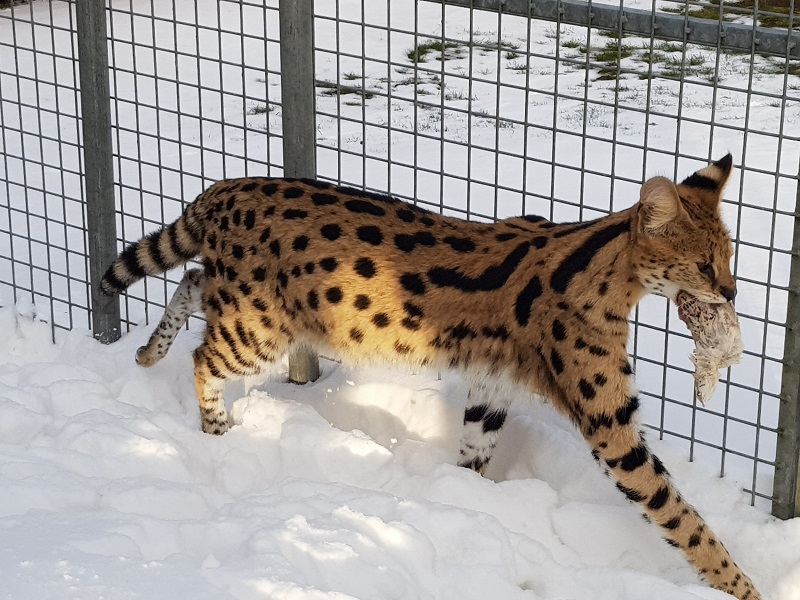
407,242
283,279
265,235
625,413
673,523
334,295
237,251
600,379
296,271
494,421
533,218
658,466
557,362
476,413
323,199
209,269
462,244
580,259
626,369
701,182
415,313
406,215
504,237
331,231
413,310
492,278
291,193
634,459
350,191
370,234
381,320
601,421
268,189
694,540
362,302
356,334
659,499
365,267
633,495
362,206
309,268
587,389
329,264
250,219
500,332
410,324
294,213
559,331
525,300
539,242
214,303
573,228
413,283
461,331
249,187
313,300
401,348
300,243
275,248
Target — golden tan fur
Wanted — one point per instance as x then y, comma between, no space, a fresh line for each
543,305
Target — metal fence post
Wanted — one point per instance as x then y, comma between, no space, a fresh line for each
97,161
299,126
786,486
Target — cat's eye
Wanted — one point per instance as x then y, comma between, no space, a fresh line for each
707,269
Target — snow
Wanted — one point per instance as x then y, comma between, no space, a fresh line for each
346,488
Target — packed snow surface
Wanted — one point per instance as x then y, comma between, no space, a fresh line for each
347,488
341,489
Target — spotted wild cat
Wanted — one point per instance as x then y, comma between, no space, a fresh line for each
540,304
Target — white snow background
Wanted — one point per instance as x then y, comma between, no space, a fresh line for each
346,488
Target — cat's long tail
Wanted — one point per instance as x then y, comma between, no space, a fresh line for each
158,252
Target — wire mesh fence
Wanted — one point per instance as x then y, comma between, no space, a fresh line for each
473,108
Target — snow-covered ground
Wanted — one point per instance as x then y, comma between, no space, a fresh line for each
346,488
109,490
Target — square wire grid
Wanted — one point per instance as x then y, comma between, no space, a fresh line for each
471,113
194,92
43,251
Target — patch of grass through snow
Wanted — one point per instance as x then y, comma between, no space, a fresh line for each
337,89
771,13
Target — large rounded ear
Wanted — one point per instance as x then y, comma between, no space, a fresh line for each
712,178
660,206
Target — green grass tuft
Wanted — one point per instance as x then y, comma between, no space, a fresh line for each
336,89
422,52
